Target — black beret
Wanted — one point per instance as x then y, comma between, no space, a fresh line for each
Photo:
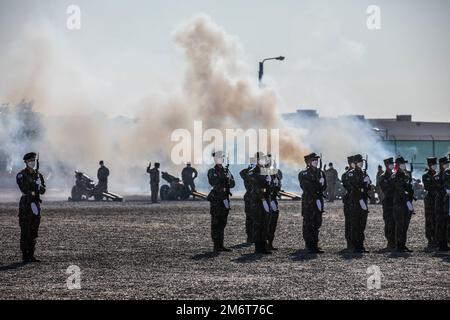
29,156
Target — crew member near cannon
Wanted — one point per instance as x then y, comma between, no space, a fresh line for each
221,181
403,198
102,176
154,182
31,183
441,205
430,201
386,185
188,175
313,183
359,183
331,175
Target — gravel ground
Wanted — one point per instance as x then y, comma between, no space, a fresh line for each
136,250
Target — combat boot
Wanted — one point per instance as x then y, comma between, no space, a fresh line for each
443,247
270,246
260,248
26,258
216,246
223,248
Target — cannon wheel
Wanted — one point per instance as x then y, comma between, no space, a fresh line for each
164,192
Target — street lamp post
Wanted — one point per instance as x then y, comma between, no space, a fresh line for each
261,66
386,131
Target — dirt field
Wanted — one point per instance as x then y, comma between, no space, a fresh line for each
135,250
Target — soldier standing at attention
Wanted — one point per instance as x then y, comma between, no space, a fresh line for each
441,205
387,188
359,183
221,181
260,203
275,187
346,200
313,183
154,182
247,200
403,197
430,201
332,178
102,176
31,183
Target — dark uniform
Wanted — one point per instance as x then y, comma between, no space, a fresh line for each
441,206
154,182
221,181
357,180
247,203
313,183
102,176
332,178
31,183
347,202
403,196
260,206
387,188
429,202
275,187
188,175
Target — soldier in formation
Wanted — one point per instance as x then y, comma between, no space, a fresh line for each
221,181
32,185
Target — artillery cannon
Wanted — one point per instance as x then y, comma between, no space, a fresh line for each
176,190
85,188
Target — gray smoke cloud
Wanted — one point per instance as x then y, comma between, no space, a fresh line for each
217,89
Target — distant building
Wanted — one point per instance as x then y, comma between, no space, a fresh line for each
414,140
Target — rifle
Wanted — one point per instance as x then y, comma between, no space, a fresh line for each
37,188
227,170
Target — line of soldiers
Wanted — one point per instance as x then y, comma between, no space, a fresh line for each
262,182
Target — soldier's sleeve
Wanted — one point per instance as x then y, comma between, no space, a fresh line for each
195,173
42,187
23,184
305,183
243,174
427,182
232,183
447,181
213,177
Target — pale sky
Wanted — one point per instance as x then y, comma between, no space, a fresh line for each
333,62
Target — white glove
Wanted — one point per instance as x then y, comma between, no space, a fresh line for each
266,206
367,180
319,204
363,204
34,208
229,175
274,206
226,203
322,181
410,206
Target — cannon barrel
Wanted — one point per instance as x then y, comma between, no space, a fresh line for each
169,178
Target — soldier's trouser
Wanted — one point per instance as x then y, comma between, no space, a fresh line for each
331,193
430,219
260,222
273,224
219,218
190,184
402,218
248,218
154,187
312,221
358,218
441,219
29,227
389,221
347,221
